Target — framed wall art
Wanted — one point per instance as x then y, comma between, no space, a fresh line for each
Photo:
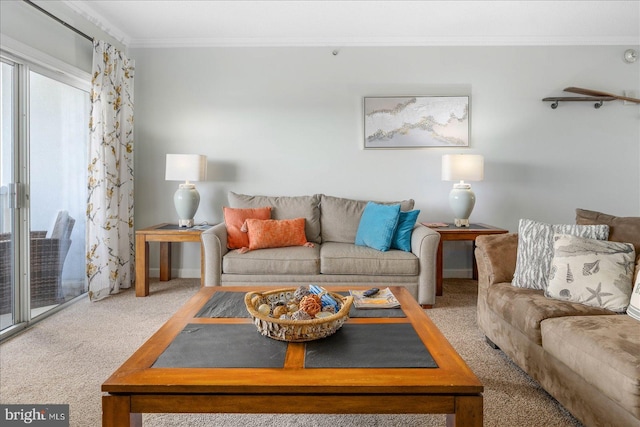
416,121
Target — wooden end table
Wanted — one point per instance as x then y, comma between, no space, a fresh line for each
450,233
165,234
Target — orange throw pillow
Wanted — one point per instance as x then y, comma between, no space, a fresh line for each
234,219
273,233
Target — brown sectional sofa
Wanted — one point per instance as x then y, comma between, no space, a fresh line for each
587,358
331,224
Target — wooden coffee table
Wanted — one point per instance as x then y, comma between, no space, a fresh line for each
137,387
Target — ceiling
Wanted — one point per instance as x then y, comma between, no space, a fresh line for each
181,23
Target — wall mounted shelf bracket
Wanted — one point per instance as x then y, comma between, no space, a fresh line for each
598,100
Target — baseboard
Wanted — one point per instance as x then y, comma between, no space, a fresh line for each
183,273
457,273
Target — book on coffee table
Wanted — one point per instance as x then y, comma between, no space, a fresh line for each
383,299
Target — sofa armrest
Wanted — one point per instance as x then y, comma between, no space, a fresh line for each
424,245
214,242
496,258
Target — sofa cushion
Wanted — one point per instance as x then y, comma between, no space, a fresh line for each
621,229
234,219
604,350
525,309
592,272
535,249
340,217
286,207
289,260
274,233
402,236
347,258
377,225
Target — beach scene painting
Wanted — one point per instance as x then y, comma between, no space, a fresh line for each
418,121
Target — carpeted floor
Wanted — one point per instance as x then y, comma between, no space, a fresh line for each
65,359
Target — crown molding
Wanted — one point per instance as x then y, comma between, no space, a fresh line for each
382,42
87,12
84,9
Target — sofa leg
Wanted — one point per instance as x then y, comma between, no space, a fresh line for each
491,344
426,305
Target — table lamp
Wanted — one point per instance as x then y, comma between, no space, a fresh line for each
186,167
461,167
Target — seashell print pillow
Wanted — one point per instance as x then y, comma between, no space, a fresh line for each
598,273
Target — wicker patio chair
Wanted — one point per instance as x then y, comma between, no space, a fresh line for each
5,273
47,256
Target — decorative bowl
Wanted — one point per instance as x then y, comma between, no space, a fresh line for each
291,330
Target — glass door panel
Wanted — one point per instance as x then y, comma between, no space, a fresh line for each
44,117
58,141
7,136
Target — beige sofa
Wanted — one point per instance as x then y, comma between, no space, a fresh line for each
331,224
587,358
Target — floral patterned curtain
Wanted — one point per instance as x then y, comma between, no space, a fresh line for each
110,235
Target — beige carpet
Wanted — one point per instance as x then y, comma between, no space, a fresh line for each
65,359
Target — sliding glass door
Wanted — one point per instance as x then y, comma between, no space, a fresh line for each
43,184
8,246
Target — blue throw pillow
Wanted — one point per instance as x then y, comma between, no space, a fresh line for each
402,237
377,225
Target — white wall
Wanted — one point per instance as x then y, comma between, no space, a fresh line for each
288,121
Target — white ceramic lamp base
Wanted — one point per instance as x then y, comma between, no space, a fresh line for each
186,200
462,200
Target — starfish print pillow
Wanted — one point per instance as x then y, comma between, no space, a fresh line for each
593,272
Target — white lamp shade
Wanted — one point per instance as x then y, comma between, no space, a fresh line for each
462,167
186,167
